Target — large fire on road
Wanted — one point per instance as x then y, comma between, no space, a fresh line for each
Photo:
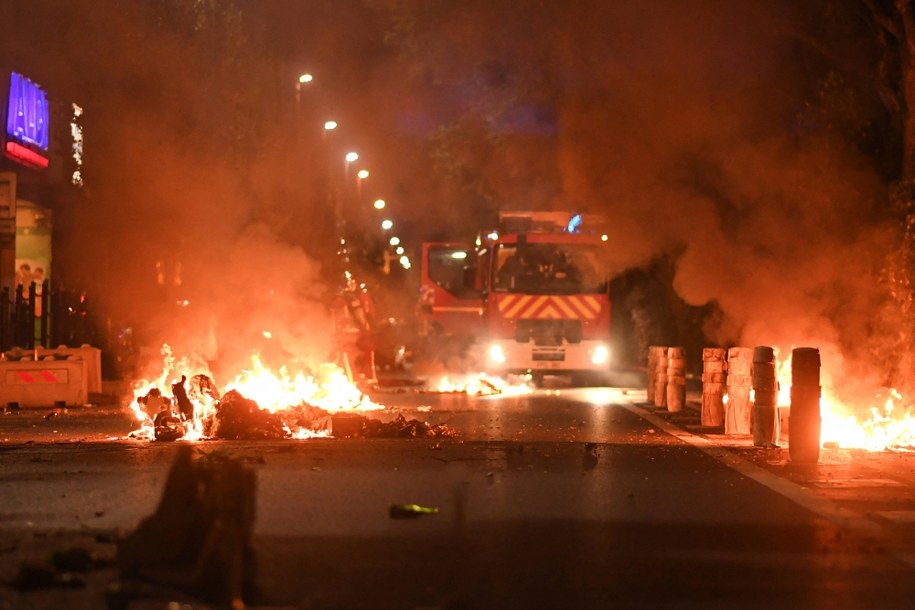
889,423
328,389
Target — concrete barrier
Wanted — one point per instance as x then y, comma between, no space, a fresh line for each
91,357
62,375
43,383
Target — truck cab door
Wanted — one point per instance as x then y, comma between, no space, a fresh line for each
450,301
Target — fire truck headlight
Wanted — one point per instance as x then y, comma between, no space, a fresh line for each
496,354
600,355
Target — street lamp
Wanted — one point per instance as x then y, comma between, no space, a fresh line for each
386,224
394,241
379,204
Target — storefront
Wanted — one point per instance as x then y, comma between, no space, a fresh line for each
40,152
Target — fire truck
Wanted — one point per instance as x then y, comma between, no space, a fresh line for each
531,296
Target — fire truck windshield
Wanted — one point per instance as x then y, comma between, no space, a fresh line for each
549,269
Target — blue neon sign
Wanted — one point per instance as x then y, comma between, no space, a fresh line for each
27,113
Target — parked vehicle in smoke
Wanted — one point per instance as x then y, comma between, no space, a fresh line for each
531,296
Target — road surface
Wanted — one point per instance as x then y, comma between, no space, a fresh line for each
568,498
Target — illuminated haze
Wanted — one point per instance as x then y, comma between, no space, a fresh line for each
685,124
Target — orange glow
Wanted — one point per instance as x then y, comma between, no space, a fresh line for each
328,388
888,426
483,385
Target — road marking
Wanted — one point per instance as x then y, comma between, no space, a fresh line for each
829,510
898,516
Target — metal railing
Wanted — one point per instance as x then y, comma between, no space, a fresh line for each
40,316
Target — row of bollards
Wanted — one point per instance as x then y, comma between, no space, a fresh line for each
667,377
740,393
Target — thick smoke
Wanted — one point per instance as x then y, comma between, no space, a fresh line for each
198,226
687,142
682,122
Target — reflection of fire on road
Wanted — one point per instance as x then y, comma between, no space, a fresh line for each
266,403
483,385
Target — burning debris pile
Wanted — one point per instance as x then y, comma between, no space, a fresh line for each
261,404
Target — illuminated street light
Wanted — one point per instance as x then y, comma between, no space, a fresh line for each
394,241
387,224
362,174
405,262
379,204
305,78
399,251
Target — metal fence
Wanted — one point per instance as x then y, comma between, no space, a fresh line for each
40,316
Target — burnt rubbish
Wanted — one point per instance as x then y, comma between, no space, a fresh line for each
185,406
240,418
235,417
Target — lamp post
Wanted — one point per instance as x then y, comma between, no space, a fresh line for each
303,80
361,175
350,157
328,126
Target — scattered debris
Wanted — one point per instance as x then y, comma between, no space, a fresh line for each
59,572
235,417
32,577
168,427
76,559
239,418
185,406
590,457
55,413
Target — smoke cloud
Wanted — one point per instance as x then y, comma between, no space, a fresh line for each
688,142
687,125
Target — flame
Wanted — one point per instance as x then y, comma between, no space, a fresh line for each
484,385
888,426
328,388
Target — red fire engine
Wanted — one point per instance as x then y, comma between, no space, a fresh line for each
531,297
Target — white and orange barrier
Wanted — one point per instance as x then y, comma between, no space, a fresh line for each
62,375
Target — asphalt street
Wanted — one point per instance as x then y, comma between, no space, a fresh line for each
569,498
